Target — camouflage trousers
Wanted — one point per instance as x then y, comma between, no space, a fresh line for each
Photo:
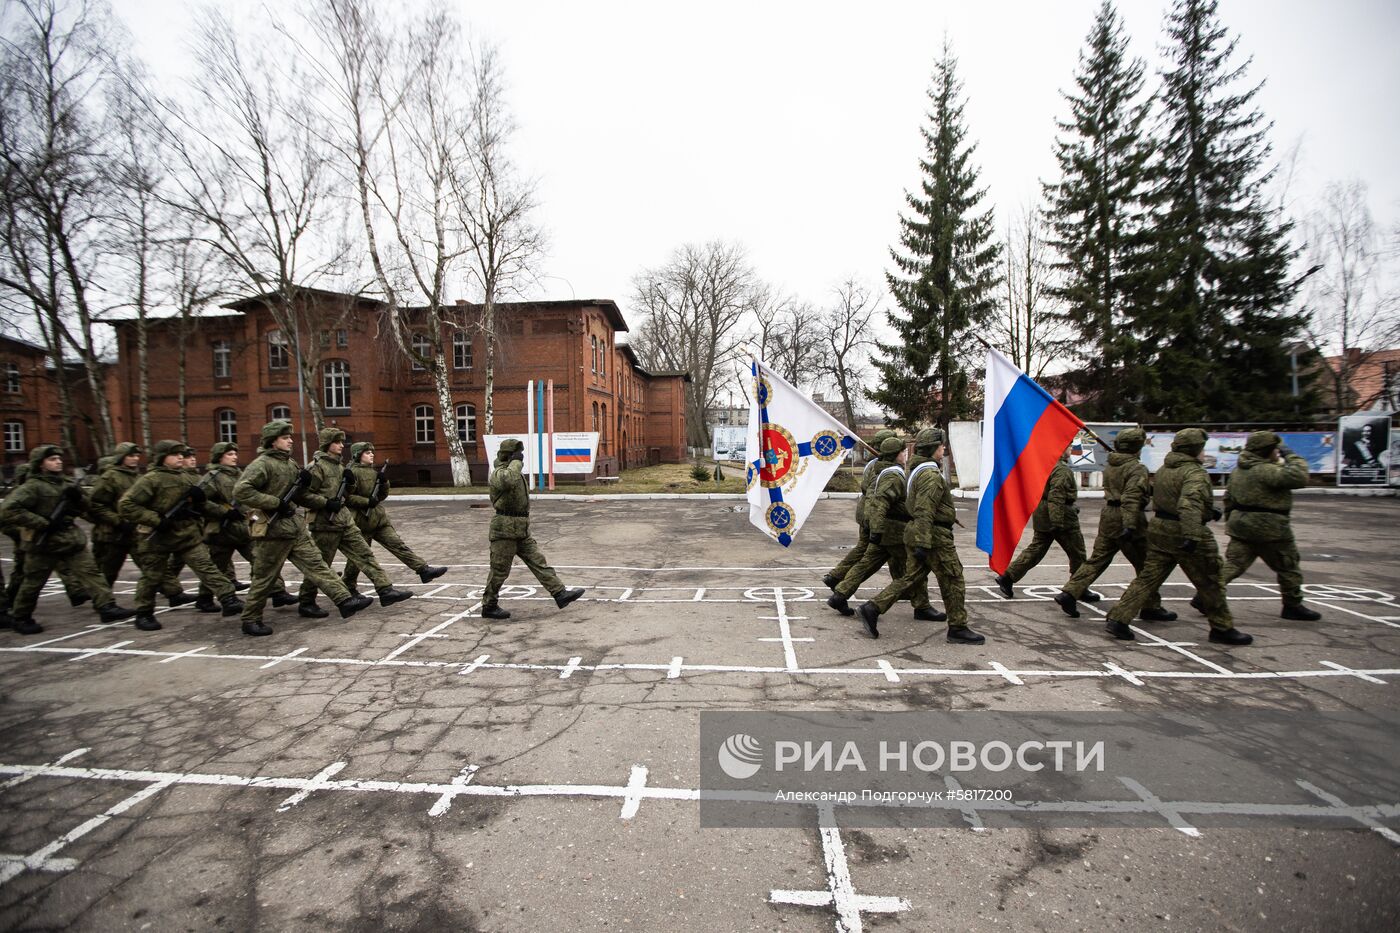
1164,554
221,551
875,556
1070,540
11,588
270,554
77,567
110,556
853,557
158,579
389,538
503,553
1279,556
1105,547
943,563
348,541
161,567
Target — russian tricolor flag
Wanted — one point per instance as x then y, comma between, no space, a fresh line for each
1024,431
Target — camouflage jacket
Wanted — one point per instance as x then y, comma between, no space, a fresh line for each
218,483
30,505
1126,482
871,469
261,487
106,492
1056,510
154,494
1181,488
1259,496
930,505
510,497
886,511
367,518
325,470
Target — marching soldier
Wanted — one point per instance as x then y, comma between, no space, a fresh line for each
43,510
1054,521
112,539
1258,499
838,573
1177,534
228,534
928,538
168,505
1122,526
510,534
332,529
366,501
74,592
270,488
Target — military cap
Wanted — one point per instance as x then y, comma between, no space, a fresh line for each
928,438
219,449
273,430
104,462
43,452
879,436
1188,439
1130,440
510,445
891,445
21,472
1262,441
328,436
164,449
358,448
125,449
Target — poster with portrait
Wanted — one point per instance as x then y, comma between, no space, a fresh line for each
1365,449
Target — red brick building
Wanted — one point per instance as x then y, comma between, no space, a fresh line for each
241,372
30,413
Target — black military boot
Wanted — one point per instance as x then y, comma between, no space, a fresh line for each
929,614
1091,597
1300,613
257,627
26,627
830,581
1067,603
838,602
1198,604
114,613
1157,614
388,596
231,605
354,604
312,611
494,612
147,622
77,599
1230,636
564,597
1004,584
870,616
240,585
283,598
182,599
1119,630
6,620
429,574
206,604
962,635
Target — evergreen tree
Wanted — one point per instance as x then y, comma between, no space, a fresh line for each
948,269
1220,326
1096,215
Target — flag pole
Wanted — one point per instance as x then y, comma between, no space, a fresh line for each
1087,430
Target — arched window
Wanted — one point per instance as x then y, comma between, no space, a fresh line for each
421,347
223,359
227,426
279,413
595,416
603,437
603,357
594,342
424,425
277,356
466,423
337,384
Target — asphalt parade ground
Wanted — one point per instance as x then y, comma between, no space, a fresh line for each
415,768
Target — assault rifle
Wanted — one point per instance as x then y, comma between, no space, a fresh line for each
186,506
343,490
59,519
381,485
303,480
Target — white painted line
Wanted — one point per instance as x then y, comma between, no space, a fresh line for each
444,803
1177,647
286,657
888,669
1117,671
16,781
840,893
87,631
626,595
184,654
1346,670
418,639
435,590
569,668
315,784
636,785
1364,820
110,649
699,595
1383,620
969,813
1003,671
474,665
674,670
1168,813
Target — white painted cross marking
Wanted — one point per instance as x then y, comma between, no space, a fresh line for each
1117,671
314,784
1168,813
20,779
888,670
1335,801
96,651
286,657
1176,646
415,640
184,654
1003,671
444,803
474,665
969,813
636,784
569,668
1346,670
674,670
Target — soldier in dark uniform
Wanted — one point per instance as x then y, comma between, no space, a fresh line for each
332,529
366,503
1054,521
1122,526
228,534
1177,534
52,545
510,534
112,539
1258,500
838,573
279,533
76,596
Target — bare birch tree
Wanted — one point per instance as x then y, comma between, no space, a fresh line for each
1031,325
847,335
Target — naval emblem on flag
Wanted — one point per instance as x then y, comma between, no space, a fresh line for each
799,445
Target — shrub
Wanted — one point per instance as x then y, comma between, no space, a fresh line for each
699,474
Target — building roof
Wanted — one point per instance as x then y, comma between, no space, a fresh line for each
22,343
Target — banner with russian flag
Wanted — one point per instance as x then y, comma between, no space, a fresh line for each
1024,431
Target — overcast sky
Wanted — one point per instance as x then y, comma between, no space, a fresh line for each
793,127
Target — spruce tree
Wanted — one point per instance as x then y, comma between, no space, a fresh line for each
1096,214
947,271
1220,325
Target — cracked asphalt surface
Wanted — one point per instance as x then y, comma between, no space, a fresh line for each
676,622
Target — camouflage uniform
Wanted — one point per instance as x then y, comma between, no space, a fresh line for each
1177,534
1122,524
510,534
228,534
112,538
372,520
838,573
886,512
64,549
282,535
74,592
1258,500
1054,521
148,505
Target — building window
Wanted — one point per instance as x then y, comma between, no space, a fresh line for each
14,437
223,359
595,416
603,437
279,413
342,338
11,377
466,424
594,342
421,348
228,426
603,357
337,382
277,356
461,350
424,427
